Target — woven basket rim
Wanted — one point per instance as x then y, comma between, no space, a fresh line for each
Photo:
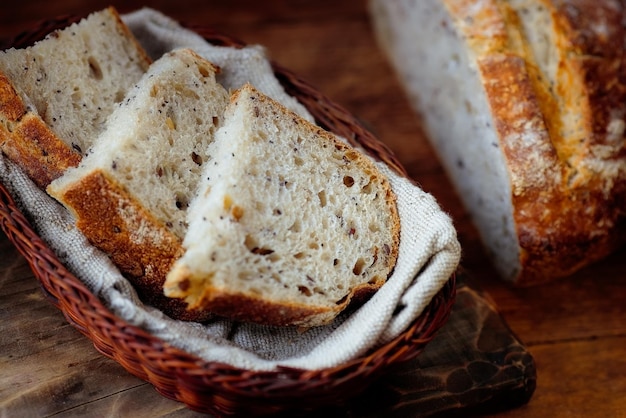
212,387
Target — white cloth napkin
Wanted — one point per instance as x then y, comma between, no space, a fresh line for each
428,255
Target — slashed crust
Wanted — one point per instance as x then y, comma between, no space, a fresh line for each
563,133
140,246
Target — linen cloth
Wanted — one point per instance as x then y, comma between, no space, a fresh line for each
428,255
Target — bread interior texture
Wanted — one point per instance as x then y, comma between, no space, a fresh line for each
286,215
155,144
74,78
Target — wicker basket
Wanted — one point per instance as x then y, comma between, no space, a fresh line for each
212,387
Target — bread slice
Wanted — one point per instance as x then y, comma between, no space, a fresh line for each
131,192
525,104
55,96
289,224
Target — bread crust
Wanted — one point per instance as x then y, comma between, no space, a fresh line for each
28,141
568,175
140,246
232,303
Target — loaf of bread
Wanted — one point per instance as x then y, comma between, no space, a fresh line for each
56,95
131,191
289,224
525,104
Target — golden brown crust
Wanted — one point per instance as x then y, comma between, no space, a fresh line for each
28,141
141,247
248,308
564,142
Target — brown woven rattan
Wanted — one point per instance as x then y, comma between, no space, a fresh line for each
209,387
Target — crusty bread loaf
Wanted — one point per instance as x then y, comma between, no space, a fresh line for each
289,224
525,103
130,193
55,96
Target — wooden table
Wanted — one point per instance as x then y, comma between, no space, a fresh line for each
575,328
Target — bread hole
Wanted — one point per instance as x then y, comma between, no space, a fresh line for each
358,267
205,72
181,202
250,242
374,228
262,251
352,155
319,291
216,120
119,96
160,171
305,290
196,158
335,262
237,212
342,300
298,161
348,181
374,280
277,212
367,189
299,255
322,197
228,202
314,245
154,91
296,226
94,68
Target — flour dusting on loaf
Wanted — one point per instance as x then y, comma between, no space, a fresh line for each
525,104
289,223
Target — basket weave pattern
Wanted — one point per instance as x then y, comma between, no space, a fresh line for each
212,387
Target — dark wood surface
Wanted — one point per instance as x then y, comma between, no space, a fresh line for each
574,328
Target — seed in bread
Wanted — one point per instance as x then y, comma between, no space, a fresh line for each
56,95
131,192
289,224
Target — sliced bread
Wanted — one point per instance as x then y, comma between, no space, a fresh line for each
289,224
525,104
130,193
56,95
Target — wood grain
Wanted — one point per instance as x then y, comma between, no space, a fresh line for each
575,328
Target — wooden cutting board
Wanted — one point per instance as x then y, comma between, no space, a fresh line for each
475,365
